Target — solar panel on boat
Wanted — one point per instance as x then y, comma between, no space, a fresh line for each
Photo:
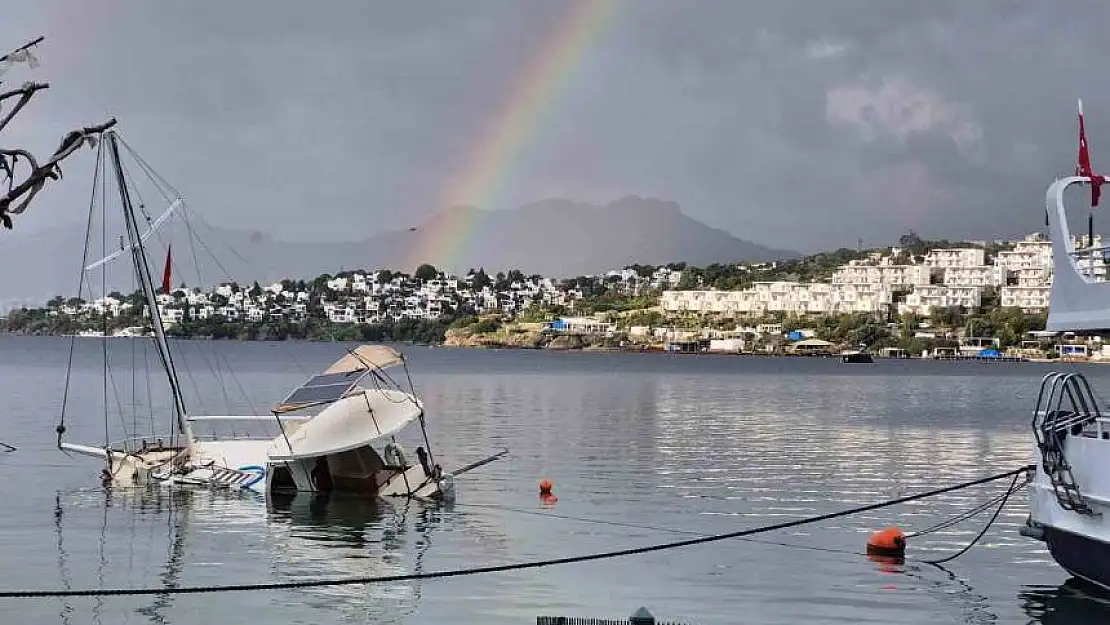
327,379
315,394
322,388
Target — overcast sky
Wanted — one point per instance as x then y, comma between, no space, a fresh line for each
797,124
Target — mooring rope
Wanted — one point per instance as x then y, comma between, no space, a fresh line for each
501,568
967,514
994,517
1000,499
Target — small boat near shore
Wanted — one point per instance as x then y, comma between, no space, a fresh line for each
859,355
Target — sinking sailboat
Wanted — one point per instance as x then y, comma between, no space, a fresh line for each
1069,503
338,431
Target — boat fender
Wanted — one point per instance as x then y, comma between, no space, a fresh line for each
395,454
259,475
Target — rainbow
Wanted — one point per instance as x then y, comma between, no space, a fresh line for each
488,167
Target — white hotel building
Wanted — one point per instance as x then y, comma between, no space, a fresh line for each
790,297
956,257
945,277
925,299
857,272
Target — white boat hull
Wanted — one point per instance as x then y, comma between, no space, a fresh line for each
1078,542
246,465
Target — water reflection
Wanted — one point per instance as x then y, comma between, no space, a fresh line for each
337,535
1074,601
63,560
951,588
302,537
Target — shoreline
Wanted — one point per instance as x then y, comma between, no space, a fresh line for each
588,348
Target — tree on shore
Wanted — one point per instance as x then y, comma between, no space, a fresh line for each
426,272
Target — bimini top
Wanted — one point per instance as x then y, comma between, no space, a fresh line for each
341,378
366,357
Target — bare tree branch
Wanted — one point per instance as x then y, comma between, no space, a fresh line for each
26,46
9,168
19,195
26,92
49,170
31,86
22,53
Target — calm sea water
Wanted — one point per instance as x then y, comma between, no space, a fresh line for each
678,443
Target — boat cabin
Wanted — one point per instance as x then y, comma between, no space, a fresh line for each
350,444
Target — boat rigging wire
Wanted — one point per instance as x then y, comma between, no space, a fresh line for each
500,568
60,429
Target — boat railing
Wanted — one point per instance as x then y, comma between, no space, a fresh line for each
1102,423
1102,427
150,442
268,417
1065,404
250,427
1052,413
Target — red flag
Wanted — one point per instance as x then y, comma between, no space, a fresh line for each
1083,162
166,272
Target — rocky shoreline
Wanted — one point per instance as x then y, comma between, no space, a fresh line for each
520,336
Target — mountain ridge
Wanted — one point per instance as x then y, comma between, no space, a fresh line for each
555,237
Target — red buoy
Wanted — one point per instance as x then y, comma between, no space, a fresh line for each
889,542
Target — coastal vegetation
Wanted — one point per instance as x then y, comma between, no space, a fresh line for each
510,309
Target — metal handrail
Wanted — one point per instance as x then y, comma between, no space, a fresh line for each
1051,419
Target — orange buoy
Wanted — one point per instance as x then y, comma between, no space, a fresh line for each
546,487
887,542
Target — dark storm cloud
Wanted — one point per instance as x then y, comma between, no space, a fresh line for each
793,123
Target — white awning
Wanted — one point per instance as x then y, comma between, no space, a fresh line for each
366,357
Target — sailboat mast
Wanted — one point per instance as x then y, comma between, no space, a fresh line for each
138,253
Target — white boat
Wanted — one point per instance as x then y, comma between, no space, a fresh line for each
336,432
1069,504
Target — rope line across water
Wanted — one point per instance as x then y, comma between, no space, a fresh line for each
499,568
1000,499
994,517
